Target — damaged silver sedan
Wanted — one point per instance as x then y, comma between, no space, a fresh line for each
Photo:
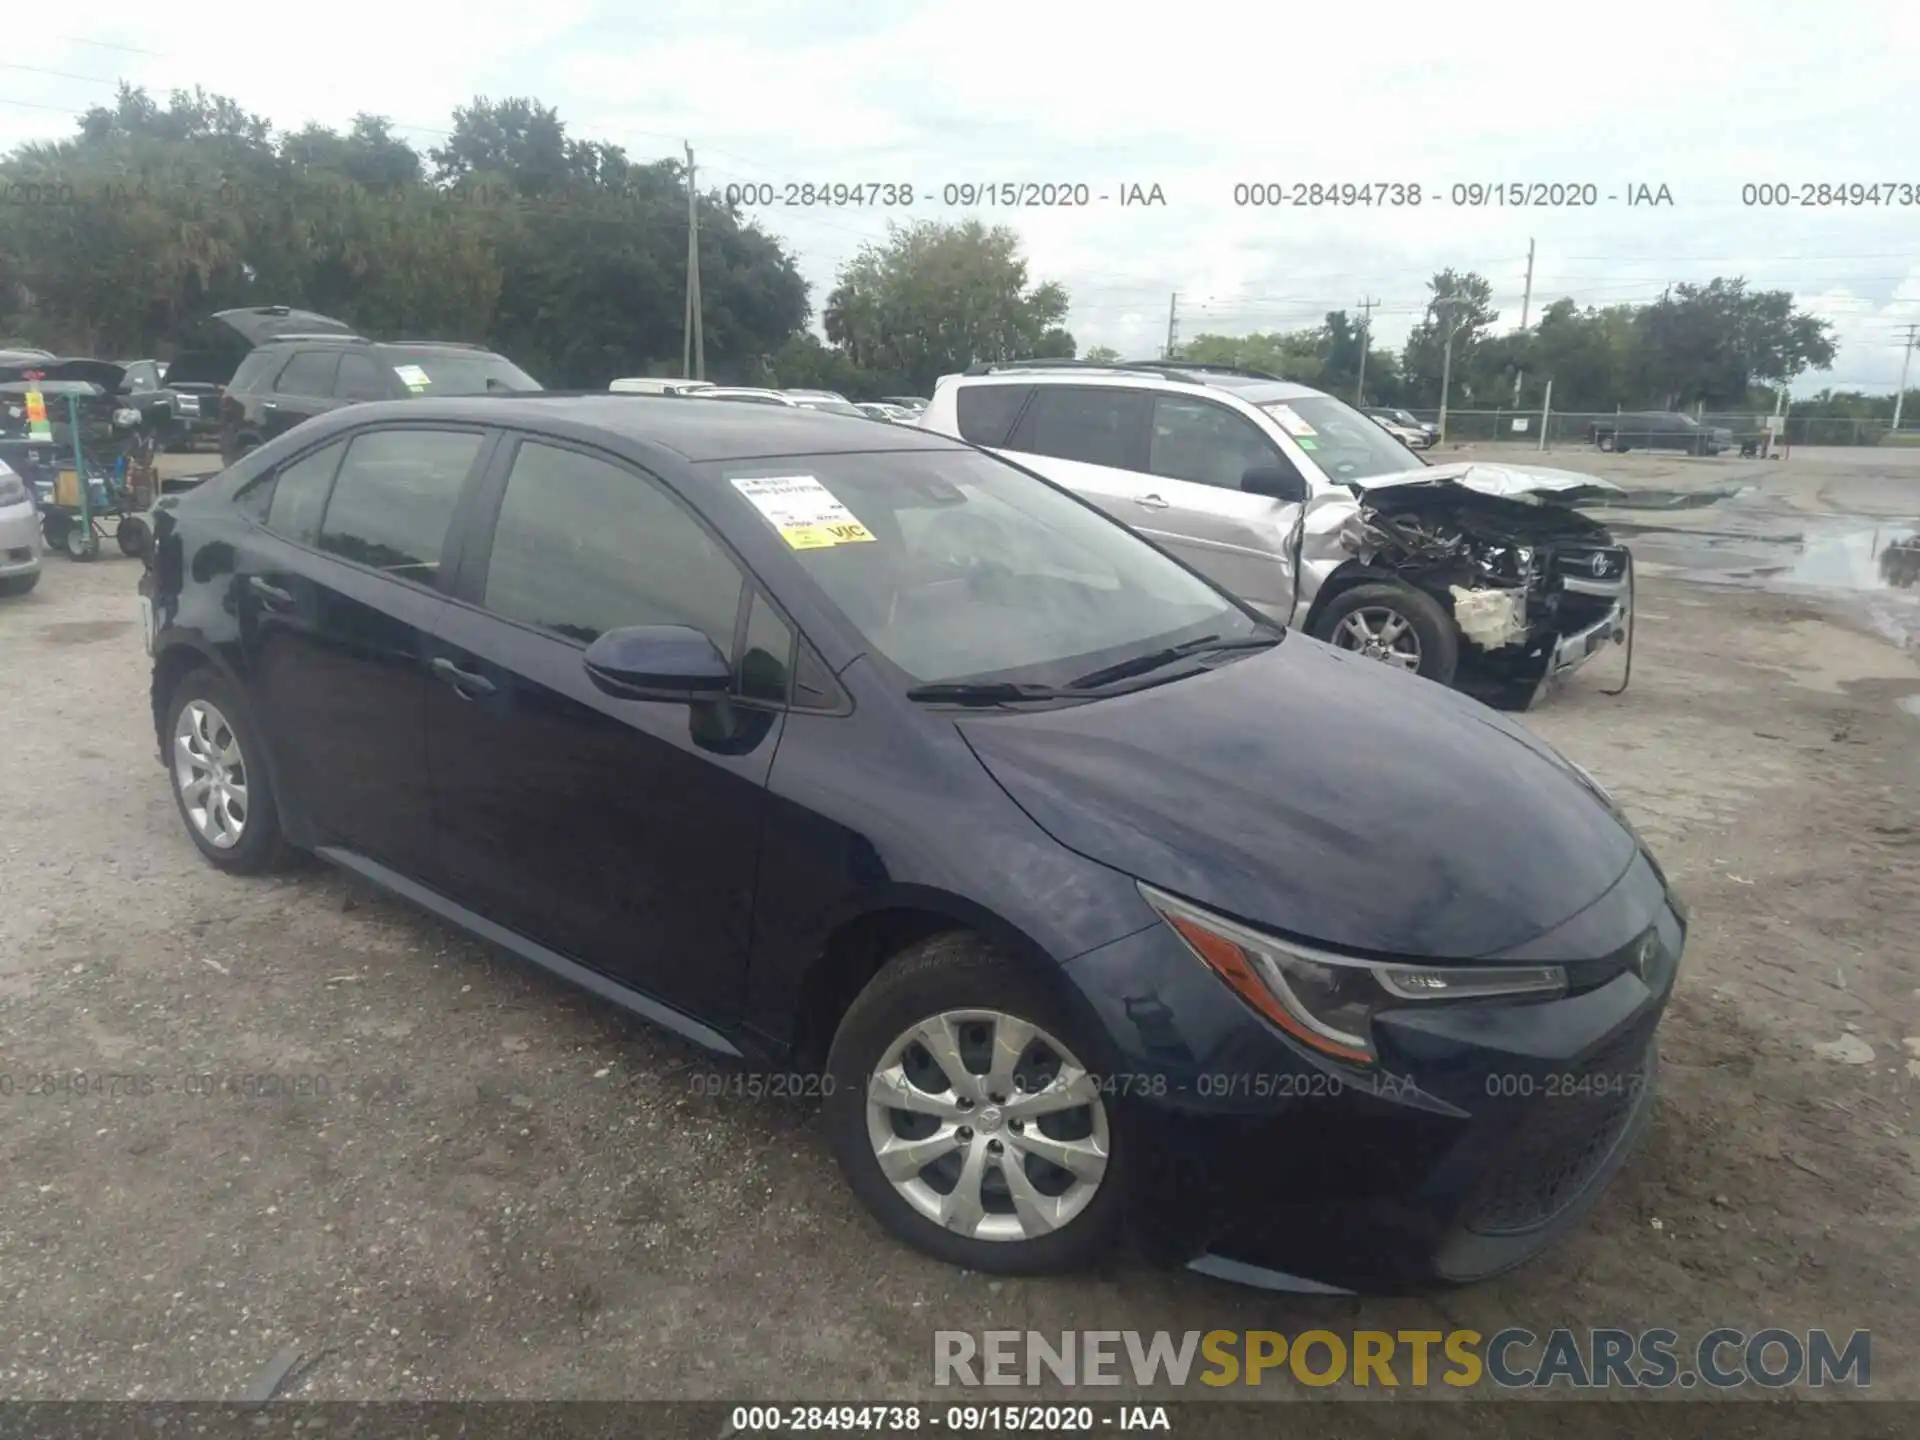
1476,575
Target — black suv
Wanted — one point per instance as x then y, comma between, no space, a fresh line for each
1658,430
296,377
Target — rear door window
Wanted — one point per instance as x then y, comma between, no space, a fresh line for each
394,498
1094,426
300,494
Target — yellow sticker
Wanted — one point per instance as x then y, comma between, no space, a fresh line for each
804,511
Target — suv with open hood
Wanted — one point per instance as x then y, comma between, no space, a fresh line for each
1476,574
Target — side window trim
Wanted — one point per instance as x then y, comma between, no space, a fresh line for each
452,547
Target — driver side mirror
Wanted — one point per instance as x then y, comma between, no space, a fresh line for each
1272,480
658,662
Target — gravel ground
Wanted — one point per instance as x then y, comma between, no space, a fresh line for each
508,1190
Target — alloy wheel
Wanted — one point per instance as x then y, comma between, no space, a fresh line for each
987,1125
211,774
1380,634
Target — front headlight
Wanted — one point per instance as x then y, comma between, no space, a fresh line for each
13,490
1328,1001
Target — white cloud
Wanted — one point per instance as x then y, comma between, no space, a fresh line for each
1195,99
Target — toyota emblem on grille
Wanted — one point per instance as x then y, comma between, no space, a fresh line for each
1600,564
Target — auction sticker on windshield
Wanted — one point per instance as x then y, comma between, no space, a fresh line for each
804,511
1289,421
412,376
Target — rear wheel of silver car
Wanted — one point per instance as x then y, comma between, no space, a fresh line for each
1396,625
967,1115
220,784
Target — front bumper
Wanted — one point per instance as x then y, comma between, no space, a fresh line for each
1485,1134
1572,651
20,541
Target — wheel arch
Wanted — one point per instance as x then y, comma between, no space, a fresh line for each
859,945
1351,576
179,658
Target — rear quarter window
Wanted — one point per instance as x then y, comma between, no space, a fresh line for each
985,413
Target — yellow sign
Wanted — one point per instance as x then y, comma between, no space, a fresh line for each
36,408
805,512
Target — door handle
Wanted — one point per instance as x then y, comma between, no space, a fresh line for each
269,404
469,685
1150,502
272,594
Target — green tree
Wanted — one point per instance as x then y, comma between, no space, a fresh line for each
936,298
1462,302
1102,355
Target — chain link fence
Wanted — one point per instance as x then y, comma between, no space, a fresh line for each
1570,428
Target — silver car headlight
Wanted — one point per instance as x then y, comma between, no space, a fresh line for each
1328,1001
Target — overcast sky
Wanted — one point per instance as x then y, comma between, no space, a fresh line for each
1196,98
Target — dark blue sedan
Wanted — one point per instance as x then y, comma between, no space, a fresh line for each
1085,897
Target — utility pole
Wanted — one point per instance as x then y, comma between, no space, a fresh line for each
1446,364
1526,304
1173,322
1366,344
693,349
1906,356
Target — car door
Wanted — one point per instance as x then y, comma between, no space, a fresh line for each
622,833
1091,439
302,390
336,595
1198,450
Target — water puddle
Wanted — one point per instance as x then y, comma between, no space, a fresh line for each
1875,564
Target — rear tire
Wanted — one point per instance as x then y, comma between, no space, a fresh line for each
231,740
19,584
1063,1219
1401,620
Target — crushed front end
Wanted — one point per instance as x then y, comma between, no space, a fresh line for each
1535,587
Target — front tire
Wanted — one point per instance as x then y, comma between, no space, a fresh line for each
1395,624
966,1113
19,584
220,782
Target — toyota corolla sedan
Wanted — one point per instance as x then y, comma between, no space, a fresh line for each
1093,900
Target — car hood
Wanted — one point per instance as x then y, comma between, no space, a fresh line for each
104,373
1507,481
257,324
1322,795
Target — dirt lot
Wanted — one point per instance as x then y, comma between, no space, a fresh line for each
509,1190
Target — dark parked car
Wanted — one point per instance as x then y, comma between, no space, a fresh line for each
288,380
1087,895
174,417
215,348
1658,430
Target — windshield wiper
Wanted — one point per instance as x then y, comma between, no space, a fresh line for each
1153,660
985,692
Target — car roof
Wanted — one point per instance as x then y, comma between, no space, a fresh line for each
1252,388
692,432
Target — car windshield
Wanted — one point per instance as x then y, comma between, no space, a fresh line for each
456,372
960,568
1345,444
